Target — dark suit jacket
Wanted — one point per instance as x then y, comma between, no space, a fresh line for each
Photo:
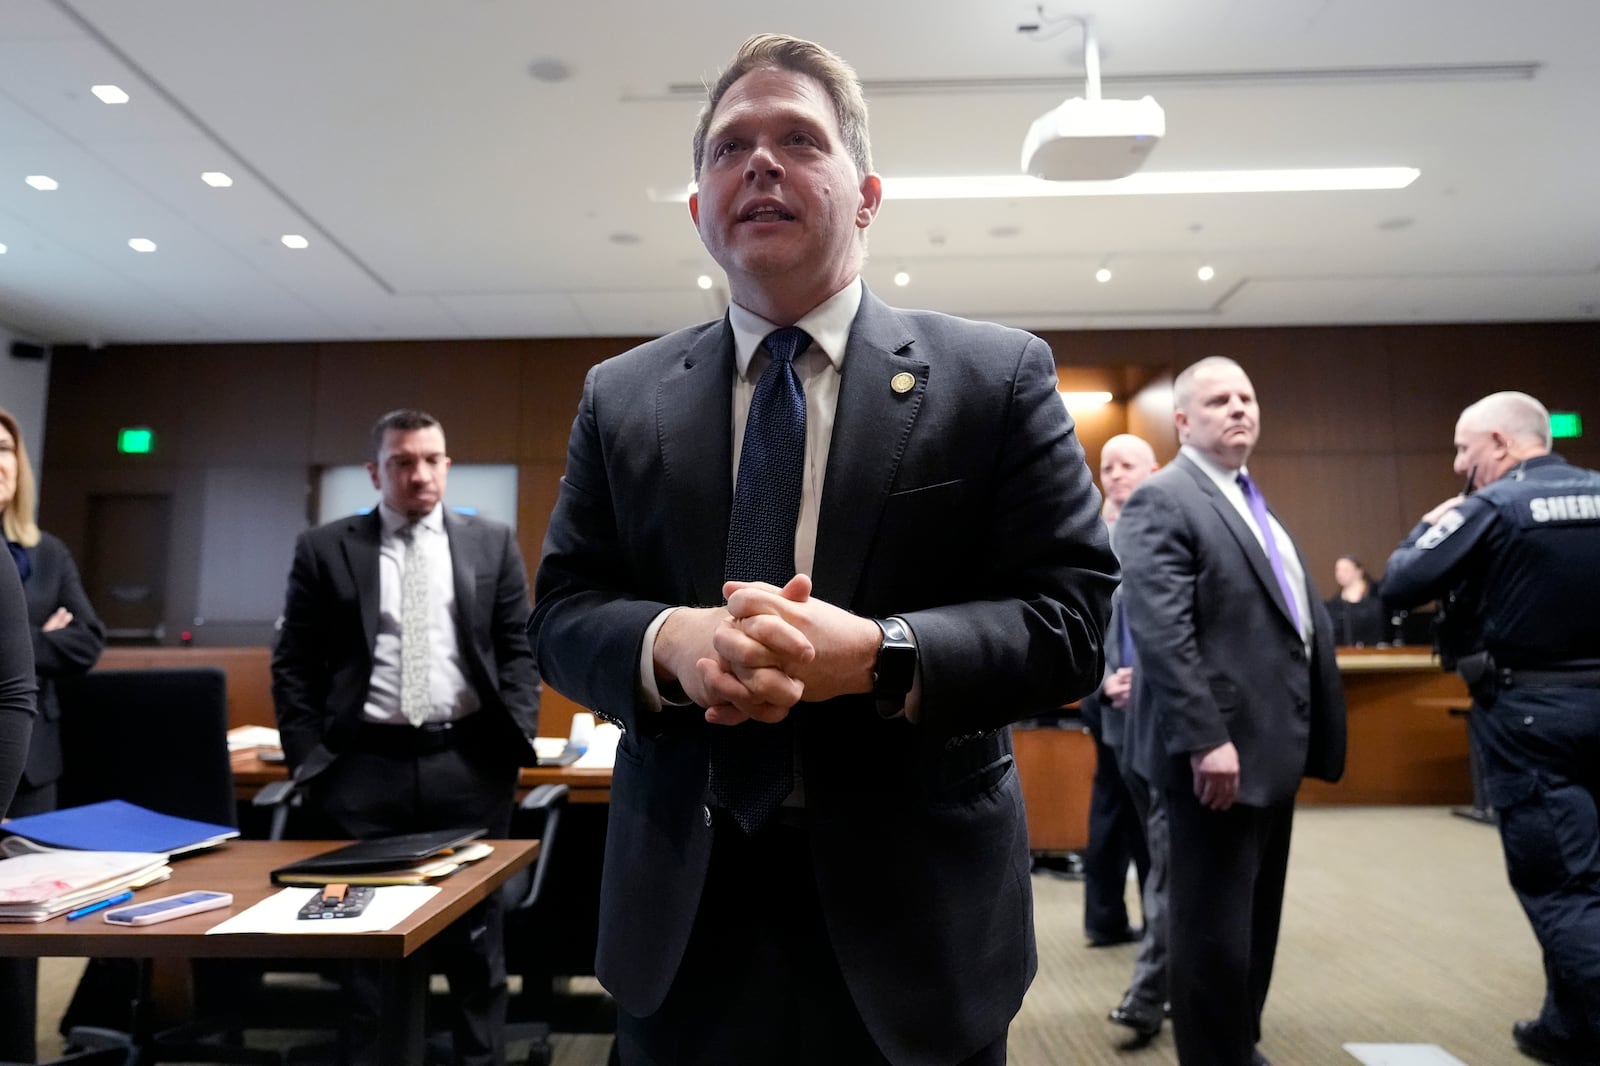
1219,656
17,705
963,505
53,582
322,661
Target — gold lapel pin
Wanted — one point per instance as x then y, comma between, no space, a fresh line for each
902,382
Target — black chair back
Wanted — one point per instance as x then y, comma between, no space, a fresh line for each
158,738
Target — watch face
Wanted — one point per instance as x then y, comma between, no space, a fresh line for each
896,667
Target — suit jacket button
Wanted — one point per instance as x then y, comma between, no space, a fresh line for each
705,812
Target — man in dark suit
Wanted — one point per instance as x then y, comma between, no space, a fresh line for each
1125,462
1116,826
406,692
1236,664
817,849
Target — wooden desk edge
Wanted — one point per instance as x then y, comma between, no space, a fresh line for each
220,870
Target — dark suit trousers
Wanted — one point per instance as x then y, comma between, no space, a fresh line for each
1116,837
1226,898
366,794
759,982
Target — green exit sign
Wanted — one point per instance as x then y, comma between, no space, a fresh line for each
1565,424
135,440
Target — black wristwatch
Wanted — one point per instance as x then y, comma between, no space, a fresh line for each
896,667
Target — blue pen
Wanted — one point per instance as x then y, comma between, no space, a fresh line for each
120,897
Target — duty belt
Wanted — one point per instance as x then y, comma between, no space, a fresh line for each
1550,675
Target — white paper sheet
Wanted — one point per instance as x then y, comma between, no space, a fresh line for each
278,913
602,751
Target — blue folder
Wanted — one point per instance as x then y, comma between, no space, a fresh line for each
116,825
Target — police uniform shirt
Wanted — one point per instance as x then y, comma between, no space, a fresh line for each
1529,547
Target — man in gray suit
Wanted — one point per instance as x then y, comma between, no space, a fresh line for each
1236,665
934,567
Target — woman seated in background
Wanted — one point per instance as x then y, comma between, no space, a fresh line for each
67,637
1359,619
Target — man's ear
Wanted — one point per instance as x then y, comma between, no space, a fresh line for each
871,200
694,208
372,472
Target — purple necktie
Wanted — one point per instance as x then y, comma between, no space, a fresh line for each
1258,509
752,764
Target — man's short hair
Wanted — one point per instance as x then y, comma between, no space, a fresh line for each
1516,414
838,79
403,419
1183,385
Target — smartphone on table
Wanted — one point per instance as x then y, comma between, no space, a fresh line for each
168,907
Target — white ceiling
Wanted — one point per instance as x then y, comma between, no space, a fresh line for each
448,193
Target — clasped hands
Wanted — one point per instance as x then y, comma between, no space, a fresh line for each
765,651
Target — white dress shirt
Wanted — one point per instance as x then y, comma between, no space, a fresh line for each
1227,481
450,694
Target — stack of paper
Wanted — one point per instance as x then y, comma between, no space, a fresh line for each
43,884
116,825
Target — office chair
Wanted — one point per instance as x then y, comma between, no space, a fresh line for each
158,738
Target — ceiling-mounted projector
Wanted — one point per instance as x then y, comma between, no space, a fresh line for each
1089,138
1092,140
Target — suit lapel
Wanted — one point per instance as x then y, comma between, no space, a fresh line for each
870,429
463,566
1253,552
361,556
694,410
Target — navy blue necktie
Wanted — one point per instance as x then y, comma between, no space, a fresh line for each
752,764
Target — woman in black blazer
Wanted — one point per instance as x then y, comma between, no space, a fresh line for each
67,637
1359,617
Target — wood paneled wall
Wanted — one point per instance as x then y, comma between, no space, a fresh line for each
1356,442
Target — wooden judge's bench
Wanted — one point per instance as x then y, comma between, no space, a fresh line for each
1405,745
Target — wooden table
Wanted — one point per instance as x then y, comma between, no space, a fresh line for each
585,785
242,867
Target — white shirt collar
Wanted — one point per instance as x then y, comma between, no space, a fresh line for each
394,521
828,325
1214,470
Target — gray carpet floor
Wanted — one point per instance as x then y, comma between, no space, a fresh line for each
1399,928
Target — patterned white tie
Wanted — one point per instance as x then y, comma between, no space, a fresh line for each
415,703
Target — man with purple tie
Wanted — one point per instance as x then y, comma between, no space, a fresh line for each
1237,668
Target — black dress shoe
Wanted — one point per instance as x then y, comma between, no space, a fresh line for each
1142,1016
1125,935
1539,1043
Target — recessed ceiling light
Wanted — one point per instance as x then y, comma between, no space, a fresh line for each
624,238
109,94
42,183
902,279
1002,232
216,179
1102,275
142,244
1391,225
1205,273
295,241
704,281
2,249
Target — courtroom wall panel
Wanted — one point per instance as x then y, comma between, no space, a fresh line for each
1356,442
470,386
1336,505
